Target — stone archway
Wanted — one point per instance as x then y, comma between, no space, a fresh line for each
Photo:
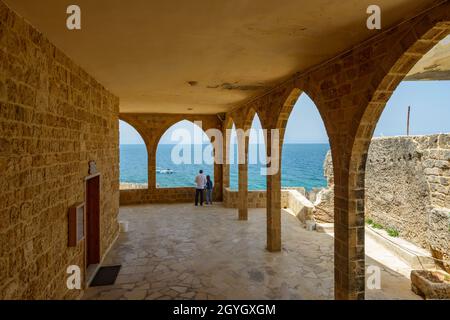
227,127
140,129
415,43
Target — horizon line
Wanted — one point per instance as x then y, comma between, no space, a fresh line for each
206,143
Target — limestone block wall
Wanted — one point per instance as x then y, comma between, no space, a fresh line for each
407,188
256,198
54,118
157,195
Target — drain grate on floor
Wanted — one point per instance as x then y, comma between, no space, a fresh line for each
105,276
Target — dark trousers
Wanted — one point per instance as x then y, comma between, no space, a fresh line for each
199,193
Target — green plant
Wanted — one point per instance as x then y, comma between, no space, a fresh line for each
377,226
369,221
392,232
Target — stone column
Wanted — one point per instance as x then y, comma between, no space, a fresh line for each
273,194
226,175
243,177
218,182
349,257
243,192
151,157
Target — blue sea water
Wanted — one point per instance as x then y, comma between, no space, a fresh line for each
302,165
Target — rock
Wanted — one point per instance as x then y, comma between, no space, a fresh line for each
430,284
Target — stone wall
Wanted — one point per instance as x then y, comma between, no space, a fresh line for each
407,189
158,195
54,118
256,198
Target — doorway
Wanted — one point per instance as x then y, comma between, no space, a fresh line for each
92,220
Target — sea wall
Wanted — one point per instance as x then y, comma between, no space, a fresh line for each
54,119
407,189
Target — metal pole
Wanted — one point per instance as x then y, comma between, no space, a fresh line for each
407,121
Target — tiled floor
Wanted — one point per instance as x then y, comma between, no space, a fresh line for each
179,251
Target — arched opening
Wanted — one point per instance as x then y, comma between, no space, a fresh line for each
133,158
182,151
411,146
233,149
307,189
305,147
256,156
396,167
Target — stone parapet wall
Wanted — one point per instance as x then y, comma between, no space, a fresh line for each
407,189
54,119
158,195
256,198
141,194
297,203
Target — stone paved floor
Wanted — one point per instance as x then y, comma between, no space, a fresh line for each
180,251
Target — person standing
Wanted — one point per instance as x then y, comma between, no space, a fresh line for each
209,189
200,183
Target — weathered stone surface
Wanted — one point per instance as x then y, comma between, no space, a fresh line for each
407,189
430,284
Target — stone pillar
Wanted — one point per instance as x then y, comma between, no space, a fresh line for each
225,176
151,156
273,194
242,139
349,257
218,182
243,191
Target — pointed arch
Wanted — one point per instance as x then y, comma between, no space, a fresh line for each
133,165
388,81
227,129
409,49
233,150
304,141
182,146
256,155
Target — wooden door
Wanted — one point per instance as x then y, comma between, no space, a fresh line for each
93,220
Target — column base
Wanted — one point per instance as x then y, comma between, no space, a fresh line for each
243,214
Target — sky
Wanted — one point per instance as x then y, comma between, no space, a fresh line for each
430,113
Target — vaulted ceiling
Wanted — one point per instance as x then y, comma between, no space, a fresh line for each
205,56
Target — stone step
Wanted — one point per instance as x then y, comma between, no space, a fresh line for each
412,255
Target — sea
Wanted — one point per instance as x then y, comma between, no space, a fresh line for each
177,166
